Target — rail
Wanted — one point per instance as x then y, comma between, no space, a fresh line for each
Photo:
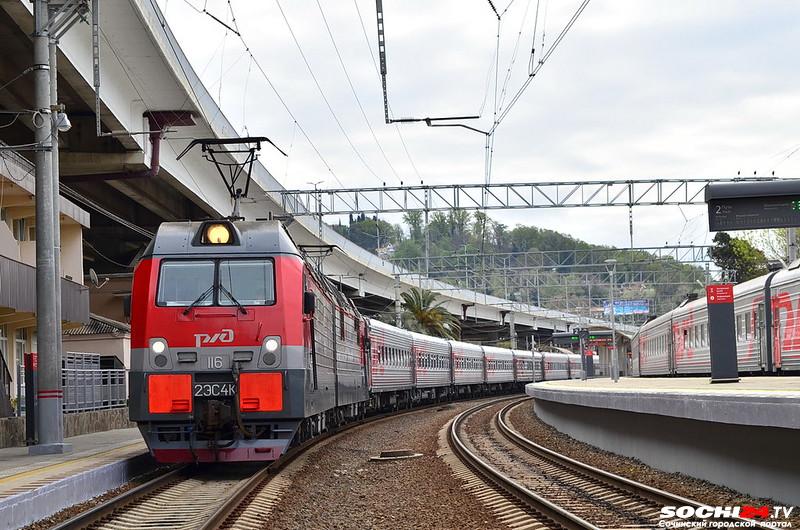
534,501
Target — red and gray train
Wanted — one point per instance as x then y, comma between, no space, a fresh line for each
240,347
767,329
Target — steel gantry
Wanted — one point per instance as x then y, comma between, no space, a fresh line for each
579,290
525,195
688,254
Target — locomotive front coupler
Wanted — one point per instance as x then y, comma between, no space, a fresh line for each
235,370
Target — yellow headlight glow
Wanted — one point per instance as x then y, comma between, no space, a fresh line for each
218,234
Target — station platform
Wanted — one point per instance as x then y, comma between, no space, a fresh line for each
35,487
765,401
742,435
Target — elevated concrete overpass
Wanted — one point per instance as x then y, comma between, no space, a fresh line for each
147,83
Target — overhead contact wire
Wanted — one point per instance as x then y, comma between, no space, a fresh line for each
322,93
355,93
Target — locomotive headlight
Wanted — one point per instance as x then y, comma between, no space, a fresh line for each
271,351
218,234
158,345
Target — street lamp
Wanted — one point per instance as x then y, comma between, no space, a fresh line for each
611,268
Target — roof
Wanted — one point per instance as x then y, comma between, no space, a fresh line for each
99,326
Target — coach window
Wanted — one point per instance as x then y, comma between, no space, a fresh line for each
250,282
739,327
183,282
747,328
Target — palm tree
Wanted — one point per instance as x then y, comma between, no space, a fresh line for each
423,314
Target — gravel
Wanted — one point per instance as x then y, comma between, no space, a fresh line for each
341,488
524,420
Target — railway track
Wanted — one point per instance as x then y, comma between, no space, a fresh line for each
230,496
551,489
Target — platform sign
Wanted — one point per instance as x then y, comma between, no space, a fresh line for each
753,205
722,333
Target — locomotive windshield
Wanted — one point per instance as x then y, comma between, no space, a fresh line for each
249,281
183,282
222,282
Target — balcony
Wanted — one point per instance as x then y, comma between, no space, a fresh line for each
18,294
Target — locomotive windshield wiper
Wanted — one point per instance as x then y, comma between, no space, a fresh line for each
233,299
199,299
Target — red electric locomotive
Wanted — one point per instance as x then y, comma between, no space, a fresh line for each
226,361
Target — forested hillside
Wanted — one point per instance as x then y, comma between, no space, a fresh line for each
514,268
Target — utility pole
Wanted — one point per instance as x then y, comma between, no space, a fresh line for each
53,51
398,312
512,331
791,236
427,241
318,198
49,420
611,267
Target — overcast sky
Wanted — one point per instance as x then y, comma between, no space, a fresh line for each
637,89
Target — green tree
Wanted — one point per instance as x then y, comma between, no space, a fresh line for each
369,233
423,314
414,222
731,253
459,226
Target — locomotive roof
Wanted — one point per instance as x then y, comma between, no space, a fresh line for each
251,237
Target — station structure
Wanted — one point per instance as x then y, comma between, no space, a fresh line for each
117,187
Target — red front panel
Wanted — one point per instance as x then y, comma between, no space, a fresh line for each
207,326
261,392
169,394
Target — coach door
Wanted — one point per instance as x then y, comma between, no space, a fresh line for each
761,335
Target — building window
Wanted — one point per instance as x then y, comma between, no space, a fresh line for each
19,230
4,345
20,344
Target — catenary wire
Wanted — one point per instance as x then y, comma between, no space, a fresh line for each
322,93
377,71
510,69
117,263
541,63
280,98
355,93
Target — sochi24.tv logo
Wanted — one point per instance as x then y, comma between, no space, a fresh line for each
773,516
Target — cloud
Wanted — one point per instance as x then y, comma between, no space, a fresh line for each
661,89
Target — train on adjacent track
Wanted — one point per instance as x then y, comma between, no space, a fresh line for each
240,347
767,329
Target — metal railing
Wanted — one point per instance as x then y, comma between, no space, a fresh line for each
93,389
6,409
86,386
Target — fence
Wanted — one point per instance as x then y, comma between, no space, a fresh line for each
86,385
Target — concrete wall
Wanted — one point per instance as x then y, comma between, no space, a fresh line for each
12,430
107,302
72,252
105,345
760,461
8,245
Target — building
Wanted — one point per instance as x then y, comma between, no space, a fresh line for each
18,266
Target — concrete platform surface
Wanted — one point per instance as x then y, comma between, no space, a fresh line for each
759,401
86,448
34,487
